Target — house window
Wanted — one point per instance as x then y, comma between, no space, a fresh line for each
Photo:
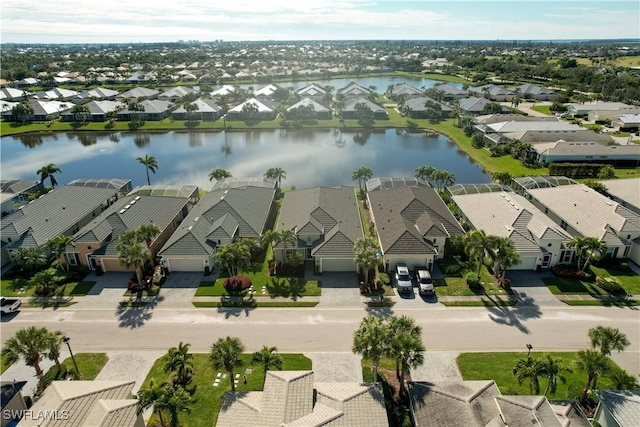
626,251
563,225
9,239
72,259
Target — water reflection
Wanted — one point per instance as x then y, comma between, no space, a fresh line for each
310,157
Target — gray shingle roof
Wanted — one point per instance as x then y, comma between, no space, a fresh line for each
331,210
527,411
406,216
418,104
623,405
473,104
249,207
350,105
317,107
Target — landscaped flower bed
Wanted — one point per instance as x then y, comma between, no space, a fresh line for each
237,283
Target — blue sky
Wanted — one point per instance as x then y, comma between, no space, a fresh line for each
124,21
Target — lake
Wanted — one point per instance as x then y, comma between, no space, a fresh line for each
310,157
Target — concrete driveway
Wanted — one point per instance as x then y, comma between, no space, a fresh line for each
338,289
530,290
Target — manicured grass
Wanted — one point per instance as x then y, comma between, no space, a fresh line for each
207,399
544,109
48,304
499,367
445,78
564,285
628,303
89,364
292,287
254,303
210,289
492,303
23,288
629,280
76,289
4,363
456,285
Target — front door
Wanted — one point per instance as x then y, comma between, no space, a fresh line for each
92,263
546,260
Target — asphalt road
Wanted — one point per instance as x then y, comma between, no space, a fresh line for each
331,330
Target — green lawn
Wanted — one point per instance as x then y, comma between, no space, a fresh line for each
89,365
629,280
629,303
499,367
544,109
4,363
494,302
456,285
563,285
291,287
207,398
254,303
22,288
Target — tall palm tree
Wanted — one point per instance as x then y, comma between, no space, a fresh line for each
399,327
553,369
132,252
529,369
49,171
504,178
225,354
593,247
147,233
578,244
150,163
370,341
28,259
180,363
595,364
268,358
477,244
29,344
54,341
607,339
426,173
503,254
147,397
173,400
362,174
287,236
278,174
269,237
366,255
410,355
219,174
58,247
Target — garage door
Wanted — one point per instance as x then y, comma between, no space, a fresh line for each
185,264
339,264
526,263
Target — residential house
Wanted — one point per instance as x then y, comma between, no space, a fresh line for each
402,91
326,221
206,109
582,211
309,108
225,90
451,93
354,90
56,94
626,122
95,245
14,193
474,106
531,91
597,109
12,94
253,109
313,91
266,91
412,224
293,398
86,404
28,81
624,191
98,111
138,93
63,210
42,110
509,117
540,242
480,404
570,151
233,209
618,408
98,93
355,108
415,108
531,136
175,93
13,403
150,109
492,92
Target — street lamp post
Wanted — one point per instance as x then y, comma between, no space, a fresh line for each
529,347
75,365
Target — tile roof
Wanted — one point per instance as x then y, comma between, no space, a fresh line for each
56,212
311,90
139,92
354,89
176,92
403,89
541,125
418,104
17,185
473,104
350,105
408,218
623,405
627,190
527,411
332,211
203,105
248,207
289,400
262,104
317,107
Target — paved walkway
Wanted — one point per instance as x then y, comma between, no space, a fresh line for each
336,367
127,366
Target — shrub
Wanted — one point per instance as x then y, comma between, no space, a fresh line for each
473,280
609,284
236,284
568,271
385,278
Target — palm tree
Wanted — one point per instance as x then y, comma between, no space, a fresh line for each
268,358
399,327
269,237
58,247
48,171
621,379
147,233
29,344
578,244
370,341
22,111
180,363
362,174
54,341
132,252
366,255
553,369
426,173
529,369
607,339
503,254
80,112
28,259
225,354
444,178
593,246
287,236
595,364
233,257
174,400
147,397
504,178
410,355
277,174
150,163
477,244
219,174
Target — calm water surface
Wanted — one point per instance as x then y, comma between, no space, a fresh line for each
310,157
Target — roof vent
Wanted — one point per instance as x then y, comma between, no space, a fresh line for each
127,206
122,211
190,227
196,218
133,202
137,198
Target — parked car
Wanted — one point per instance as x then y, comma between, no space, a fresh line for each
9,305
403,278
425,282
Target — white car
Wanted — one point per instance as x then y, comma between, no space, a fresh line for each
403,279
425,282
